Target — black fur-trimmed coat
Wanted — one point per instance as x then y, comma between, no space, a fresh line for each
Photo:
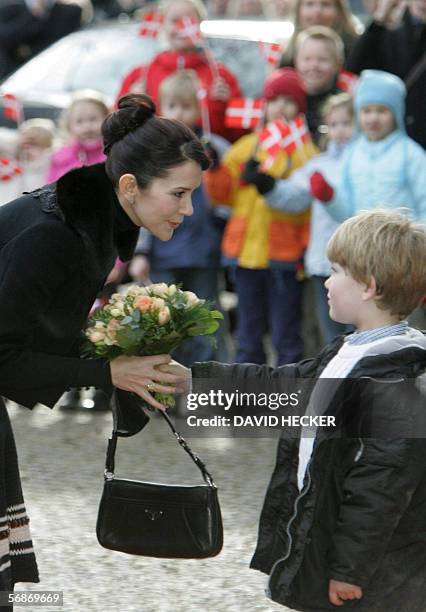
57,246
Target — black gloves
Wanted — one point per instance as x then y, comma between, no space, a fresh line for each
263,182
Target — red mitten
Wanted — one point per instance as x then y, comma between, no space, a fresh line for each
320,189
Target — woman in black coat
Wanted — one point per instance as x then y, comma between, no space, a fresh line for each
57,246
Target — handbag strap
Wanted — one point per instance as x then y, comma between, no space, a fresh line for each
112,447
184,444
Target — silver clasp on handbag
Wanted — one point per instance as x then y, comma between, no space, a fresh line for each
108,475
154,514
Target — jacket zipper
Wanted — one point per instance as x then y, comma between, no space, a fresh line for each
295,509
289,524
360,450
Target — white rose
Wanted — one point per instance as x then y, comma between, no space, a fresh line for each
159,289
95,336
164,315
135,291
117,312
158,303
172,290
191,298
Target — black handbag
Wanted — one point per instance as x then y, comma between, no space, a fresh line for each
159,520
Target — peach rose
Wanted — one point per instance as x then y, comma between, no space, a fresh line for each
95,335
143,302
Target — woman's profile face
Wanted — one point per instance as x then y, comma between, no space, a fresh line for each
176,11
318,12
162,206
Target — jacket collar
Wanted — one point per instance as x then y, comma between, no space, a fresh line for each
85,200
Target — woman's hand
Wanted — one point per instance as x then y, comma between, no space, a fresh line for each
177,369
142,375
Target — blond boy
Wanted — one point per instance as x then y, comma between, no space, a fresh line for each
343,518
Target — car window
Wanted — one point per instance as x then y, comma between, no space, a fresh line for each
98,58
103,63
243,58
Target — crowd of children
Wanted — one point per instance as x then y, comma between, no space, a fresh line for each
343,517
266,220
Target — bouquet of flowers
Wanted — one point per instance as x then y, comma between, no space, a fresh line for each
152,320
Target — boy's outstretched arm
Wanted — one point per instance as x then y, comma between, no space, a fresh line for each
377,491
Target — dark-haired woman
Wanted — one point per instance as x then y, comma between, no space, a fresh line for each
57,246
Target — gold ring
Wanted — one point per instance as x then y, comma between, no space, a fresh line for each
149,386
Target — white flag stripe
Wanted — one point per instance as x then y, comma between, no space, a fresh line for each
297,132
247,113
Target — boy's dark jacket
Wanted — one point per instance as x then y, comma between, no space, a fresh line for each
361,517
57,246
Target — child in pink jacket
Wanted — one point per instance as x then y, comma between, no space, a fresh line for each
82,122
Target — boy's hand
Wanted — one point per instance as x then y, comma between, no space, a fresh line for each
263,182
339,592
320,189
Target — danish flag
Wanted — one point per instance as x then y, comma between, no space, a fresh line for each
189,28
8,169
275,137
152,23
347,81
271,52
12,108
279,136
243,113
299,132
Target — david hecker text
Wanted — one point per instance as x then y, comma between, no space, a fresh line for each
262,421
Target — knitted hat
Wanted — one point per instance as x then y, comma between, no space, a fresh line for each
285,82
379,87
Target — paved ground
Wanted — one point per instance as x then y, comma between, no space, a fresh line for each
62,460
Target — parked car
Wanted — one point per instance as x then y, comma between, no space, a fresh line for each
98,57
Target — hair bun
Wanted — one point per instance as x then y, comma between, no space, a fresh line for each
133,111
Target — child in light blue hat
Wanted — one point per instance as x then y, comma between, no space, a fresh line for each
383,166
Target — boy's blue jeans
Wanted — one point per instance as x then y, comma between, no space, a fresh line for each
268,300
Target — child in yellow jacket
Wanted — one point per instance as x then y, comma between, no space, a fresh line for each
265,246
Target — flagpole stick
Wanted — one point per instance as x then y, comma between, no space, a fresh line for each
257,132
211,62
204,111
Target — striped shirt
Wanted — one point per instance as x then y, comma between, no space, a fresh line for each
370,335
